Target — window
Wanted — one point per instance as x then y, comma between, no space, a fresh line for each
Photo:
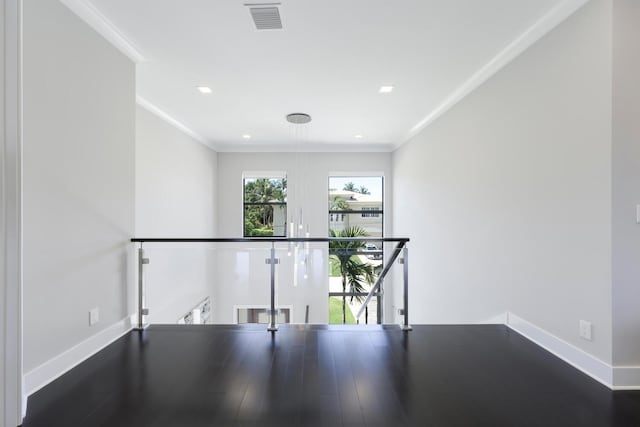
265,206
356,201
355,210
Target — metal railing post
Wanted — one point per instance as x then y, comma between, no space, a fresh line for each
141,310
272,323
405,273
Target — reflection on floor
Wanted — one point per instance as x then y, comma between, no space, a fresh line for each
333,376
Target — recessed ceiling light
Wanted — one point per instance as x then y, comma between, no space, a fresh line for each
246,136
358,136
204,89
386,89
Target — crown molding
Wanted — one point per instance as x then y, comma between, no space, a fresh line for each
308,147
255,147
96,20
540,28
152,108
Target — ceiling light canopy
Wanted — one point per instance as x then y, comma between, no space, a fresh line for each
246,136
204,89
358,136
386,89
298,118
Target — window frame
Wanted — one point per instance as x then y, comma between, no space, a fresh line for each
368,214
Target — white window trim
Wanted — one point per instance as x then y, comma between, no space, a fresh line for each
264,174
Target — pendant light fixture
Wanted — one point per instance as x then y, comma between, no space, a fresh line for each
297,227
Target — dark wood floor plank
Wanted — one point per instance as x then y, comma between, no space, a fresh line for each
334,376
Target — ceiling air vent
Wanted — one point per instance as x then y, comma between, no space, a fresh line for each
266,16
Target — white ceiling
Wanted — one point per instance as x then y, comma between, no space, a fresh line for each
329,61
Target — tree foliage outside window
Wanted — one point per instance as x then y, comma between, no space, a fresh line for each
338,203
265,207
350,186
353,271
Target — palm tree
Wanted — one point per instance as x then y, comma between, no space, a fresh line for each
350,186
352,270
263,192
338,204
363,190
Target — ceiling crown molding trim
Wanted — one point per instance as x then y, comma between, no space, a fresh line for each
172,121
96,20
545,24
308,148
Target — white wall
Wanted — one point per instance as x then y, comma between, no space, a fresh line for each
507,197
175,197
175,181
626,183
245,280
79,134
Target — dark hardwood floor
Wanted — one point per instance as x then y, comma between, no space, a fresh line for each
191,376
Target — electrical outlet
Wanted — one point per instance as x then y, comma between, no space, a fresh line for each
585,330
94,316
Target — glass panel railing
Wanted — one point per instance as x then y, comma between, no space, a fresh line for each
234,281
178,282
241,283
204,282
302,281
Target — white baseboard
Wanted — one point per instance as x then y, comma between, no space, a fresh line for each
500,319
626,377
25,399
590,365
39,377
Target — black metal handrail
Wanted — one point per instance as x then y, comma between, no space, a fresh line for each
266,239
